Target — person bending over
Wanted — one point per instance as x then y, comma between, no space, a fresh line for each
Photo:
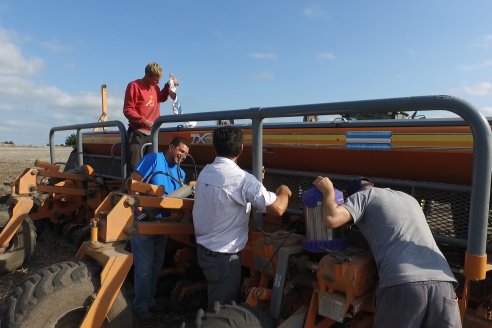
416,286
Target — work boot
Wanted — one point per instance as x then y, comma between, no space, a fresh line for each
160,306
145,316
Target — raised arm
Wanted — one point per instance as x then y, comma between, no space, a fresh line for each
333,215
279,206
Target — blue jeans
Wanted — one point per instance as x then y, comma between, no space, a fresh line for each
148,258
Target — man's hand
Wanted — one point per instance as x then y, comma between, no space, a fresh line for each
149,124
283,189
324,185
279,206
173,82
333,215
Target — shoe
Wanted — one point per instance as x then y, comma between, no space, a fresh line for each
145,316
160,306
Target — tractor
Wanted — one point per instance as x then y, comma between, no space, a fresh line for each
297,273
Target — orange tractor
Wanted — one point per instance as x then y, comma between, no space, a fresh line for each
65,199
297,273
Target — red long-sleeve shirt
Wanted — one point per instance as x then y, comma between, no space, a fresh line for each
142,103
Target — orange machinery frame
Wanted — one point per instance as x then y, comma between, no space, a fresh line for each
113,222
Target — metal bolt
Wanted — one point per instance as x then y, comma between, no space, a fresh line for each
130,201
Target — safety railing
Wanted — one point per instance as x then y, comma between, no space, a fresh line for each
79,149
480,188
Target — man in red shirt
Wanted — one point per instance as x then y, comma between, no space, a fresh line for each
142,107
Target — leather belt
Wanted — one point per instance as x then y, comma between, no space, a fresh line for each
214,254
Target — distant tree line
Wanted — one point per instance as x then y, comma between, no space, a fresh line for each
8,143
71,140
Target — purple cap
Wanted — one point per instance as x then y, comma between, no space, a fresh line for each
312,197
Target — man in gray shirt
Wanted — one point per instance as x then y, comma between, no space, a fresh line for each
416,285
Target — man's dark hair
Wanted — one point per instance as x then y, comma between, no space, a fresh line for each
228,141
358,184
180,140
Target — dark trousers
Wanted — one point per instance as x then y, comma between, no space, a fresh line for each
427,304
136,140
223,274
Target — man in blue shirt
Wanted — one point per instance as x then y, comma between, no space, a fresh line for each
148,250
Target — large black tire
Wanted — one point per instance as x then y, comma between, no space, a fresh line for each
59,296
20,248
4,214
233,315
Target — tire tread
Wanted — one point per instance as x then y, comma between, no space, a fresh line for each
40,285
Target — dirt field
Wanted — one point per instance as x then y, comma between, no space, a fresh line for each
51,248
13,159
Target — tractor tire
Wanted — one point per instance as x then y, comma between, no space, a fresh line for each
233,315
190,303
20,248
59,296
4,214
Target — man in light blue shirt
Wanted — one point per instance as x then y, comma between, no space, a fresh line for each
224,196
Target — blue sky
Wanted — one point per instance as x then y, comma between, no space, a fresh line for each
55,55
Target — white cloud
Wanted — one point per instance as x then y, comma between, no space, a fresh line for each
20,89
263,56
265,76
483,42
487,111
34,107
12,62
56,46
314,11
326,56
218,33
14,87
10,125
479,89
484,64
6,107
